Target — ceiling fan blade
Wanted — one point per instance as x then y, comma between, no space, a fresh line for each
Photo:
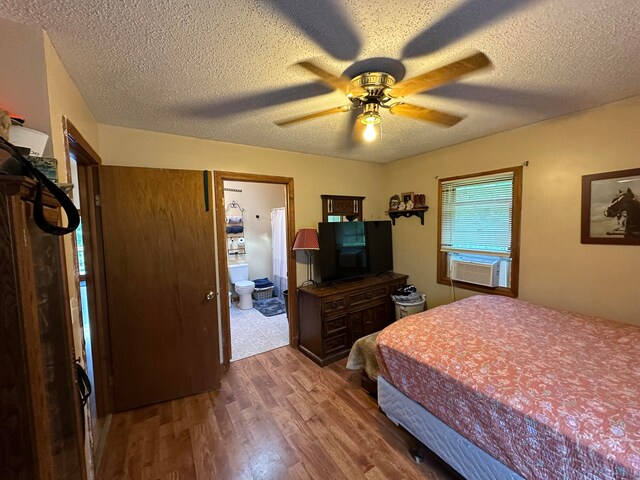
440,76
425,114
322,113
468,17
328,24
337,83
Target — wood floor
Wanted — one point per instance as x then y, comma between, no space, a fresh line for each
277,416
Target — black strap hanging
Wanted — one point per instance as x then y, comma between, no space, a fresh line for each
84,384
26,168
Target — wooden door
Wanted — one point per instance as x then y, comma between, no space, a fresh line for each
160,272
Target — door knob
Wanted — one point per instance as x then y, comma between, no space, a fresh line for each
210,295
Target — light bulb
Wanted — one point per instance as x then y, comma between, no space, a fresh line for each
370,133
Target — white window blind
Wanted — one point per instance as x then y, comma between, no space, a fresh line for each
476,214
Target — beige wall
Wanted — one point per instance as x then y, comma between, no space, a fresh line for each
23,81
555,269
66,100
313,175
257,200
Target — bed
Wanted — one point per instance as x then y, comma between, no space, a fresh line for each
501,388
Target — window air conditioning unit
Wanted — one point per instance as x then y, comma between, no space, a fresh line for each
476,270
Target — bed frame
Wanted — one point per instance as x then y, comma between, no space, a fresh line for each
462,455
368,385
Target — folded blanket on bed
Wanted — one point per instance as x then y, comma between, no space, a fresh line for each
363,355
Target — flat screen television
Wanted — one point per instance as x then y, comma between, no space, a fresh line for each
354,249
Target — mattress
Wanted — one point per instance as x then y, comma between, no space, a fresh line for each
449,445
550,394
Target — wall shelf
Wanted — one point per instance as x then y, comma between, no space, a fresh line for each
233,245
413,212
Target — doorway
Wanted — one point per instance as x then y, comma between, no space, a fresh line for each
256,231
88,269
236,253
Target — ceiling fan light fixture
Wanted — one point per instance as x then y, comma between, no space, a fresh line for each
370,133
371,115
370,119
372,90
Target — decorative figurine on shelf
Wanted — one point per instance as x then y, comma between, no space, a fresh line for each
409,205
394,201
402,206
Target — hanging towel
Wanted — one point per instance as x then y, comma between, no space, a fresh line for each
235,229
234,220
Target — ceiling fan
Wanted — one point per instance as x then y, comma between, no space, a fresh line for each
372,91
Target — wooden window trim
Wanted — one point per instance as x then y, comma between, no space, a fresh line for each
85,154
442,276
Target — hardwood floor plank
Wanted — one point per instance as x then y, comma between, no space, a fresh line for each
277,416
203,447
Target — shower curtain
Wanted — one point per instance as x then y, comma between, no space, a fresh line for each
279,250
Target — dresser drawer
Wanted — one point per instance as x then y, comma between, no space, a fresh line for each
332,306
335,343
366,297
333,325
332,317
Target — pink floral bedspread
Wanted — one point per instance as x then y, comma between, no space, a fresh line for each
551,394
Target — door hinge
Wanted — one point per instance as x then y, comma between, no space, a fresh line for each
97,201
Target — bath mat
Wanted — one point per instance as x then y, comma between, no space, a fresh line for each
269,307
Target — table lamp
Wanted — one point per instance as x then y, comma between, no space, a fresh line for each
307,240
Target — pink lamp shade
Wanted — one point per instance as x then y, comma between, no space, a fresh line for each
306,239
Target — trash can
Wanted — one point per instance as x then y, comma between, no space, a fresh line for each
409,307
285,294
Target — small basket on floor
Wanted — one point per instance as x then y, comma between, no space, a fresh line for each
262,293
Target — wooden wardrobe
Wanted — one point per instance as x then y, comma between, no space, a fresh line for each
41,431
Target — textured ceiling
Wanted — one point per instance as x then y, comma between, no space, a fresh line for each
222,70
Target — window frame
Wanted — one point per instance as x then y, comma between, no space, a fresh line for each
442,275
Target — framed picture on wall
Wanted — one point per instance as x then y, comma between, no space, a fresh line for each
407,197
611,208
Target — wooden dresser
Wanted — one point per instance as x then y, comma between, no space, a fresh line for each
333,317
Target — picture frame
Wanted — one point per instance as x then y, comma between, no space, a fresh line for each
611,208
406,197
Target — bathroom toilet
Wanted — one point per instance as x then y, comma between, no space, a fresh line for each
239,277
